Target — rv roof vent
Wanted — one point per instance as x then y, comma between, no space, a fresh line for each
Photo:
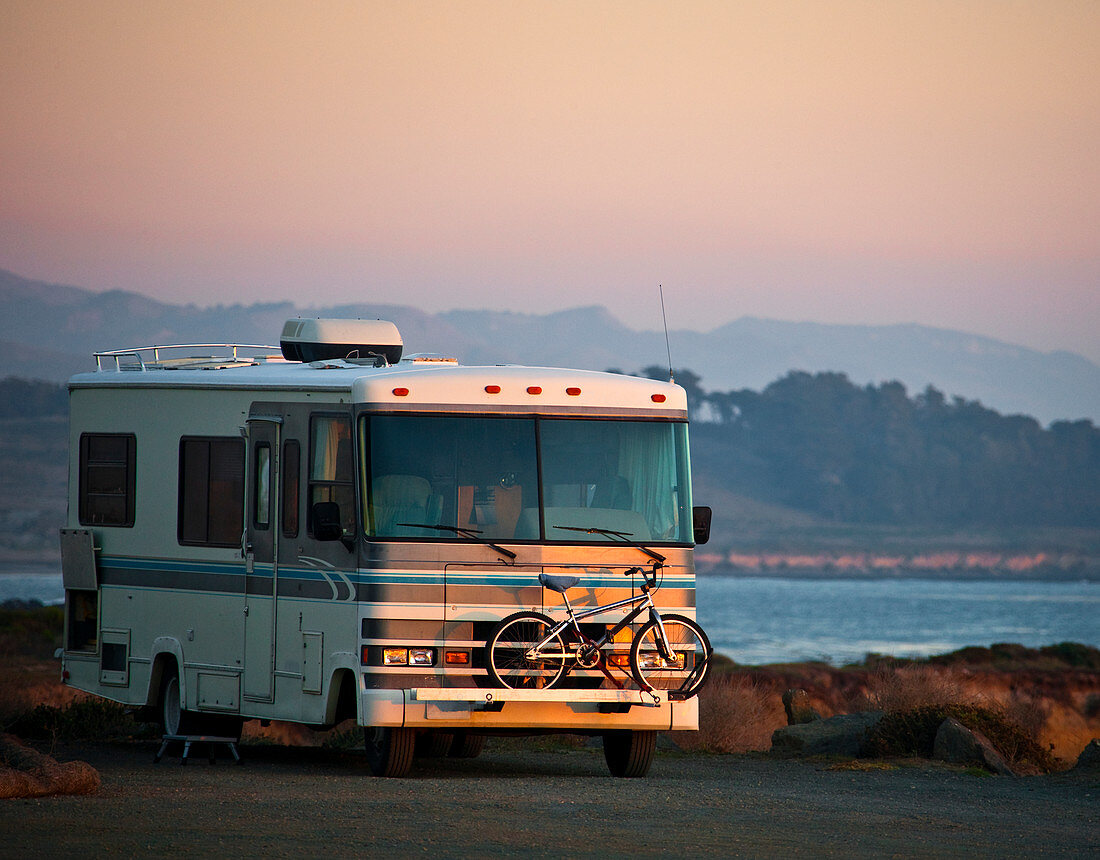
362,340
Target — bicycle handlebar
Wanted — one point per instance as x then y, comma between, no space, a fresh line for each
650,577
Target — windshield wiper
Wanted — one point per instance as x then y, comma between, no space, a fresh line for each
656,556
472,534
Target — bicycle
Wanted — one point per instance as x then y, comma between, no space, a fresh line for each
670,653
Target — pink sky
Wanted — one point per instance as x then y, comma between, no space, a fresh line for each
855,162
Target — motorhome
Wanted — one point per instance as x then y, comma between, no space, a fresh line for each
327,531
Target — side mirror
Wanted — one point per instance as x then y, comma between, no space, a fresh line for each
700,524
327,525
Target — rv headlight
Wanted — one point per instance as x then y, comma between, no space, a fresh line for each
652,660
395,656
421,657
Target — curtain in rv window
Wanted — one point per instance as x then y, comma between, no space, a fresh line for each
107,479
331,474
211,500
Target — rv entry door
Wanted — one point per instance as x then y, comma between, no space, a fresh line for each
261,553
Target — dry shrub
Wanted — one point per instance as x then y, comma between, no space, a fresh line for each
25,772
736,714
896,689
30,631
86,719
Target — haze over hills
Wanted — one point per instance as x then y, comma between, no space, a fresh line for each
49,331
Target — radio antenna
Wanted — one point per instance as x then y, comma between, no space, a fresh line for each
664,319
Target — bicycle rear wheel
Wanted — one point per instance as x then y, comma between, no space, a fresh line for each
683,675
507,651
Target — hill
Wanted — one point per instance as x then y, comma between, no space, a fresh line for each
49,331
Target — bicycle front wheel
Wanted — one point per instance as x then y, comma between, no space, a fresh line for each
686,671
512,659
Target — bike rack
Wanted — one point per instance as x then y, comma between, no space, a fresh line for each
488,699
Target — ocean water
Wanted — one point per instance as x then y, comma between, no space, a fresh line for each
765,620
32,582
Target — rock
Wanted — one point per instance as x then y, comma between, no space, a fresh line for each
797,705
957,744
840,735
1090,756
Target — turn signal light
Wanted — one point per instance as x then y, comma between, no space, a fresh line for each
456,658
620,661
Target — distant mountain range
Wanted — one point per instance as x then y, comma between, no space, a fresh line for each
49,331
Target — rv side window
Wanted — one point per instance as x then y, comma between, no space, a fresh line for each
331,473
211,498
107,467
261,505
289,496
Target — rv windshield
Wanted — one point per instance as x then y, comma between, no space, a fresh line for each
521,479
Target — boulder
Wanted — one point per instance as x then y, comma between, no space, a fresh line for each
957,744
840,735
797,705
1089,760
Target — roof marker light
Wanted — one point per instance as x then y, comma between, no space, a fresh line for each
572,392
401,392
492,389
534,389
657,398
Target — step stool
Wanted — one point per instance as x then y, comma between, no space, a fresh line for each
189,740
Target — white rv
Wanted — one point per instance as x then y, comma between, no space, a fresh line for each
333,532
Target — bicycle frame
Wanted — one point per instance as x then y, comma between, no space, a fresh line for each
640,603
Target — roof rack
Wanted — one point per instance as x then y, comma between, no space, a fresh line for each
136,358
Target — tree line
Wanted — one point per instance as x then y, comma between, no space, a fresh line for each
873,454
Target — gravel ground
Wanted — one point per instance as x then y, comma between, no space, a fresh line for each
517,801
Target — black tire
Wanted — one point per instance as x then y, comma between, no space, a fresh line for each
629,753
434,744
505,653
466,745
389,751
687,638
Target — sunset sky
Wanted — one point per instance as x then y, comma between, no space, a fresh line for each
853,162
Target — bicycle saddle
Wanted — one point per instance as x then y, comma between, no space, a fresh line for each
558,583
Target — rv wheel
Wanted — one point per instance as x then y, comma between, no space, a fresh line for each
434,744
629,753
466,745
390,751
173,719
